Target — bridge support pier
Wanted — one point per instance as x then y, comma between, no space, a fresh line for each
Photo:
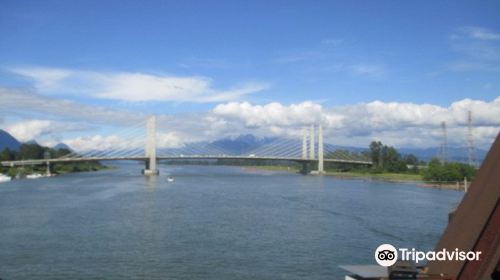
49,169
148,170
151,148
306,168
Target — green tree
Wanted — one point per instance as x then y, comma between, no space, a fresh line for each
410,159
448,172
7,154
386,158
31,151
411,162
376,152
393,161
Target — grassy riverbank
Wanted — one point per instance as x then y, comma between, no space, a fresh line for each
385,176
351,174
274,168
396,177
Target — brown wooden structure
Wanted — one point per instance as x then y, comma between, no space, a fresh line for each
475,226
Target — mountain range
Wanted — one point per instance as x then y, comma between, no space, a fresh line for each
8,141
61,146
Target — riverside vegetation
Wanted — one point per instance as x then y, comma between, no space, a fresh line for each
390,165
35,151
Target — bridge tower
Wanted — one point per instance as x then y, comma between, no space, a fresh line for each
320,150
311,143
48,171
151,147
304,144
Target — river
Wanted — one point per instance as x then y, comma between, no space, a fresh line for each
213,222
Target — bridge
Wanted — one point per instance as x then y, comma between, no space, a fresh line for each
309,151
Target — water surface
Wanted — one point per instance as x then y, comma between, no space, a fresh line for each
211,223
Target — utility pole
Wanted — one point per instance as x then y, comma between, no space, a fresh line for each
444,145
470,140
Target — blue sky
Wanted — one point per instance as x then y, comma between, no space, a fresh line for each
196,55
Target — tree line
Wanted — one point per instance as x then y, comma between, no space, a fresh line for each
32,151
388,159
36,151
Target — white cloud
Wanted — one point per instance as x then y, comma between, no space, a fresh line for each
119,144
47,78
168,140
368,70
133,87
33,129
28,130
480,33
402,124
21,102
478,49
99,142
394,123
270,114
466,66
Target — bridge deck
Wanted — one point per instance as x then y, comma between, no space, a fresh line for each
201,157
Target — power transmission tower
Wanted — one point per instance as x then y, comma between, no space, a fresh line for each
470,140
444,145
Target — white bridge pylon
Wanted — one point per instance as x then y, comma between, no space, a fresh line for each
308,141
150,150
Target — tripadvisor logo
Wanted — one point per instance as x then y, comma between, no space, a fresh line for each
387,255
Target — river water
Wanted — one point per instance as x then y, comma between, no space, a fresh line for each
213,222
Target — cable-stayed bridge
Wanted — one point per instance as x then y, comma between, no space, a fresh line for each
308,151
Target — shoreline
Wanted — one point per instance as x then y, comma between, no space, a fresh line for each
418,182
56,173
383,177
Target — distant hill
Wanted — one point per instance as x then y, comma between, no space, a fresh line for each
60,146
245,143
8,141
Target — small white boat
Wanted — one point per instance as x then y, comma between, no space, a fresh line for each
4,178
34,176
170,179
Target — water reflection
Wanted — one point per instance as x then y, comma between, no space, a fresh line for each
151,182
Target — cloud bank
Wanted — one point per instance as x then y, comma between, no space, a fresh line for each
33,129
394,123
133,87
